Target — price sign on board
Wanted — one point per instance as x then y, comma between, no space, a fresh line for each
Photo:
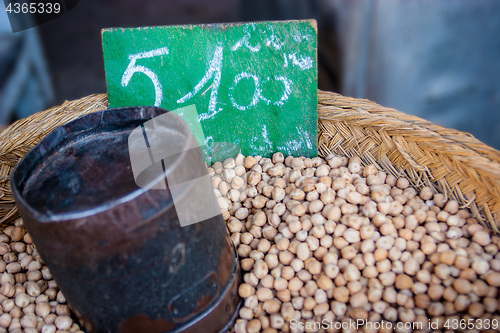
253,84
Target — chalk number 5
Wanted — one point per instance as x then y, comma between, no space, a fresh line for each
133,68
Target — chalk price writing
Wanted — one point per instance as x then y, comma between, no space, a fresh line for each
214,72
132,68
253,84
258,91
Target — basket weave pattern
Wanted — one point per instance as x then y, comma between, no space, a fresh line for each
449,161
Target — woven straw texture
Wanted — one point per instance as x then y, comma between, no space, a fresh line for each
449,161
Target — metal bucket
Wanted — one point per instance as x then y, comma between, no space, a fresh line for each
117,250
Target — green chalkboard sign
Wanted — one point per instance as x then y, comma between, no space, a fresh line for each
253,84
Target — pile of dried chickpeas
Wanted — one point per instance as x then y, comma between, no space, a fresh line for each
325,243
30,299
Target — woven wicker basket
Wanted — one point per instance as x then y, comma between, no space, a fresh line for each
449,161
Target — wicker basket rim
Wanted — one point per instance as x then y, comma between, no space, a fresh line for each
447,160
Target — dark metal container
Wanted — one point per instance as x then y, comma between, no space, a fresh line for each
116,250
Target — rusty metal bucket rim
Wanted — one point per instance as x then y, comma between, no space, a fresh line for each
143,113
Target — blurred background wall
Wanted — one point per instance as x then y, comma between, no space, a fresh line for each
437,59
